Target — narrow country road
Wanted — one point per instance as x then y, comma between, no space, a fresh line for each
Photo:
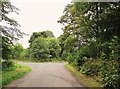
46,75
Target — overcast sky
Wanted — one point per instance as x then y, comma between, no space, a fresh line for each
39,15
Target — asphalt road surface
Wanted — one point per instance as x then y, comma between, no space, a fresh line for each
47,75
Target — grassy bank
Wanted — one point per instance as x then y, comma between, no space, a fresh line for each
85,80
17,72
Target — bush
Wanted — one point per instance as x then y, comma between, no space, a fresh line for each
7,65
88,51
81,61
72,59
76,59
110,70
110,74
91,67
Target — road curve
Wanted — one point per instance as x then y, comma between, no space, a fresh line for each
46,75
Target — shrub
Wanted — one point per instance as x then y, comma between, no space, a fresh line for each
110,64
81,61
110,74
70,58
91,67
88,51
7,65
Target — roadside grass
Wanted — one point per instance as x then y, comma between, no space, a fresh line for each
83,79
39,60
9,76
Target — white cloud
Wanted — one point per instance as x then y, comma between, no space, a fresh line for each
39,15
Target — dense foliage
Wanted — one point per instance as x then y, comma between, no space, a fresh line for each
43,46
9,31
91,40
9,28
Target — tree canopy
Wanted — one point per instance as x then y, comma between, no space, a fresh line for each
91,33
45,34
9,28
43,45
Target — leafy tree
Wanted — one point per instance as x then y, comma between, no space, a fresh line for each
6,48
54,47
88,22
24,54
34,36
61,39
70,44
39,48
93,25
43,45
45,34
44,48
10,31
17,49
96,18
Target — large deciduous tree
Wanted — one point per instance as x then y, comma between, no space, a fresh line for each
45,34
89,22
95,26
44,45
39,48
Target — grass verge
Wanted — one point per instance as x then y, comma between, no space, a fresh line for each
85,80
9,76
